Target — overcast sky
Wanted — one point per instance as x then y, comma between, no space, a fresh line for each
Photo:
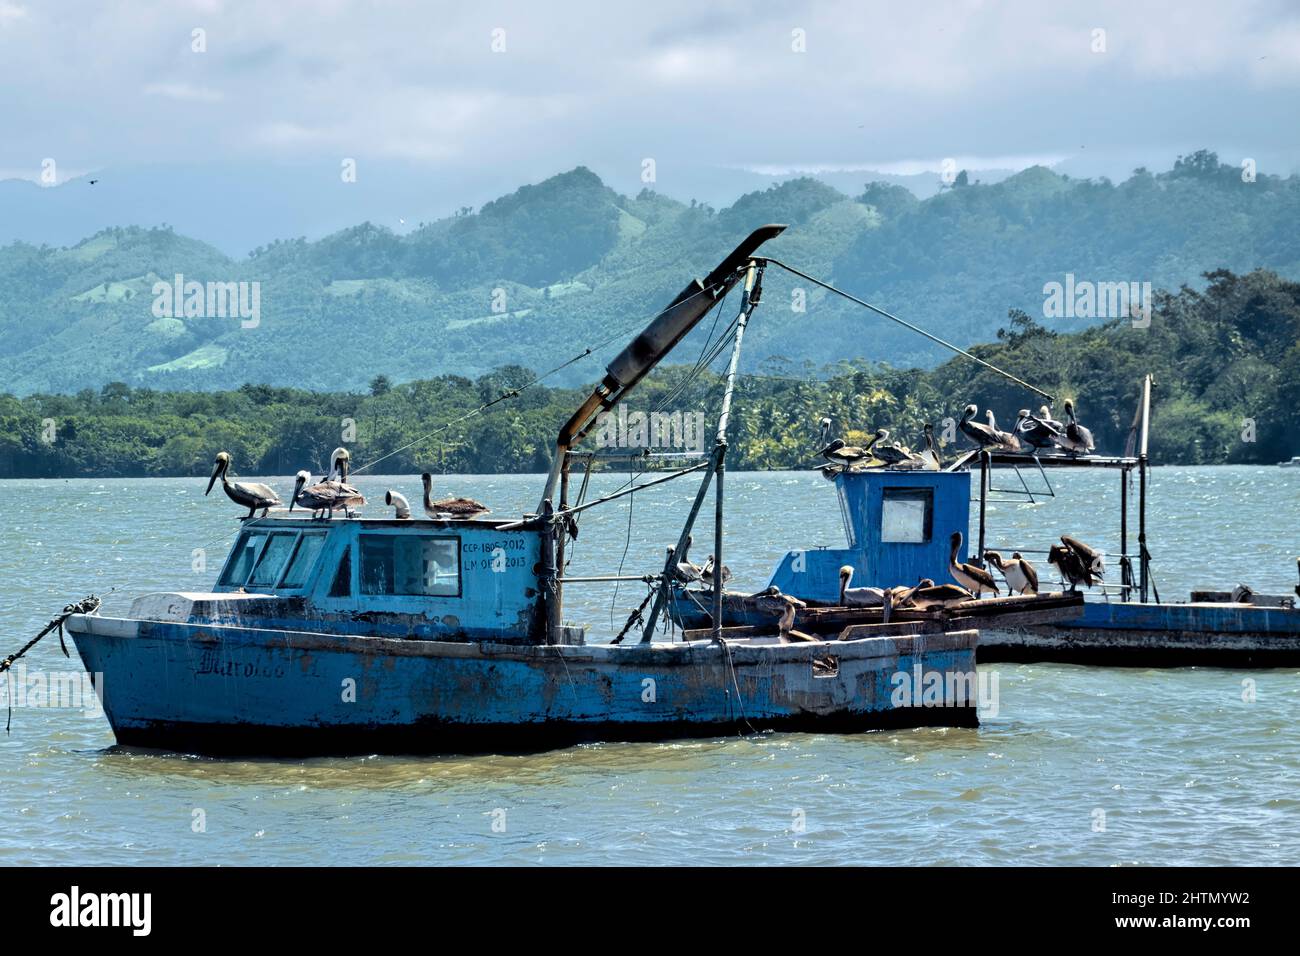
695,84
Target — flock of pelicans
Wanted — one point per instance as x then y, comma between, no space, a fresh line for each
1030,434
323,497
1076,562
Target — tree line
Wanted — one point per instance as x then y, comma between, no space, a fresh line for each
1226,363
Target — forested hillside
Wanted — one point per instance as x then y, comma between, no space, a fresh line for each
1226,362
536,275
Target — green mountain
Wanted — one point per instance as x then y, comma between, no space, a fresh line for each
1226,363
534,277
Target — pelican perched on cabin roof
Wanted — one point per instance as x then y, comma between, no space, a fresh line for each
328,494
449,507
839,453
894,454
930,456
251,494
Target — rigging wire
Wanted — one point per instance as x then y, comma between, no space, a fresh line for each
915,328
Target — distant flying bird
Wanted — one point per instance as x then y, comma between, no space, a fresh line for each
93,181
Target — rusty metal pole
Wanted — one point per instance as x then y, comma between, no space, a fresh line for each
1125,572
750,297
550,586
562,532
985,458
1142,489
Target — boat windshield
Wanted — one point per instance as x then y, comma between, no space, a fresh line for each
275,559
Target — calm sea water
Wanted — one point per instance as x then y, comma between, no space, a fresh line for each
1175,765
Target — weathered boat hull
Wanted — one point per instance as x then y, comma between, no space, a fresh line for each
215,689
1155,635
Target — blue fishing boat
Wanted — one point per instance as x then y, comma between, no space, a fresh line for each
899,525
342,633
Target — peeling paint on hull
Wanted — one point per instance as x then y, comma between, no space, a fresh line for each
223,689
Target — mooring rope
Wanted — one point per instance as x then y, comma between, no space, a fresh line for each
87,605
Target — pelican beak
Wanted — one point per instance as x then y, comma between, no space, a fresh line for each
216,470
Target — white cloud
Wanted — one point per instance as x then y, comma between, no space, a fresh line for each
184,92
11,12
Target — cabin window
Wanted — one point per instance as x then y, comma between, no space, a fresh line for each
906,515
241,558
267,570
304,557
410,564
342,586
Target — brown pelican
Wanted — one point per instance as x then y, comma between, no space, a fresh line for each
707,572
1036,431
858,597
839,453
1007,438
928,595
449,507
1076,439
1092,559
251,494
1070,566
1020,574
325,496
972,577
401,507
1045,413
986,436
825,429
930,456
687,571
894,454
900,597
790,605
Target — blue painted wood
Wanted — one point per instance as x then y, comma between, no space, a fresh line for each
305,658
162,681
497,599
878,562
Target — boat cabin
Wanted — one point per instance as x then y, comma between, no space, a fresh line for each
434,579
898,525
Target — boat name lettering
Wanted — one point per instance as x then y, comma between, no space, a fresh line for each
210,664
